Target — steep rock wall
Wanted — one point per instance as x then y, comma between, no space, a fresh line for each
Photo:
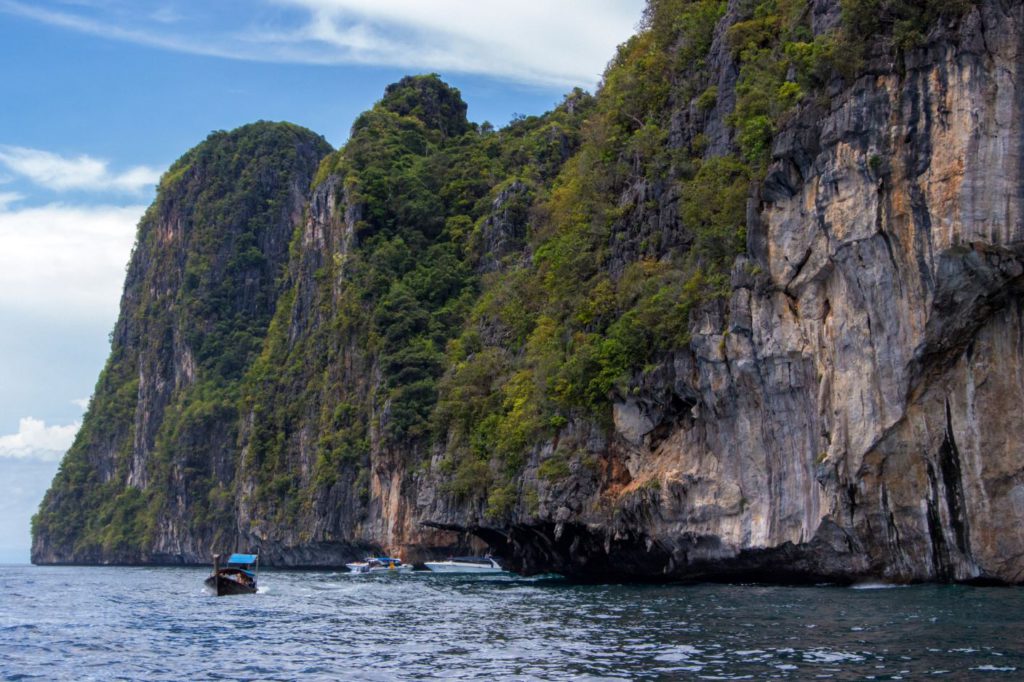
853,411
148,476
335,423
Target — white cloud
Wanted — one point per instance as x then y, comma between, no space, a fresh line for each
550,42
80,402
36,440
61,173
65,262
153,36
7,198
559,43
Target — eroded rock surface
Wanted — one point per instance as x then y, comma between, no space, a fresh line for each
856,412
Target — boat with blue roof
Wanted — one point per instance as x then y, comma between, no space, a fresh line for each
237,576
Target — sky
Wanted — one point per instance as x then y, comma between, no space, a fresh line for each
99,97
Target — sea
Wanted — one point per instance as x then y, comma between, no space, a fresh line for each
106,623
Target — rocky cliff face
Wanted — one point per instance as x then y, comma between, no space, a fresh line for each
841,404
148,474
851,412
376,289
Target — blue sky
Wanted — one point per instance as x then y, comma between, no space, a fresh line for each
99,97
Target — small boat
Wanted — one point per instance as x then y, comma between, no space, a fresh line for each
379,564
238,576
466,564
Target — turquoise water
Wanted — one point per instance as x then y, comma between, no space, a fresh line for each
158,624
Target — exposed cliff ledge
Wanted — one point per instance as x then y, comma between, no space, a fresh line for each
841,404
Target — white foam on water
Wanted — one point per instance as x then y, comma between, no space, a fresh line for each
995,669
826,656
678,654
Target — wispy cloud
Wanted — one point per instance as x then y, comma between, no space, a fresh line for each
63,262
7,198
107,27
536,40
62,173
36,440
549,42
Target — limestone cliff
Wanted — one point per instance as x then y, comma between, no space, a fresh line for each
753,312
148,476
854,410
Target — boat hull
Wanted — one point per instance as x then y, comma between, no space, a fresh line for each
457,567
221,586
363,568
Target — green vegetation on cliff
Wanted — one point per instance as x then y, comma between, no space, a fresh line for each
436,298
201,287
500,285
639,229
907,22
415,188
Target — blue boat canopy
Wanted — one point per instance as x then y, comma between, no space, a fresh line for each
242,559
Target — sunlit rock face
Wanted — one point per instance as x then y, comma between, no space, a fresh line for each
854,410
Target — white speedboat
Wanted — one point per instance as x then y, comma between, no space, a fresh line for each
380,564
466,564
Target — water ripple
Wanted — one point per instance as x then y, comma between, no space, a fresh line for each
156,624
